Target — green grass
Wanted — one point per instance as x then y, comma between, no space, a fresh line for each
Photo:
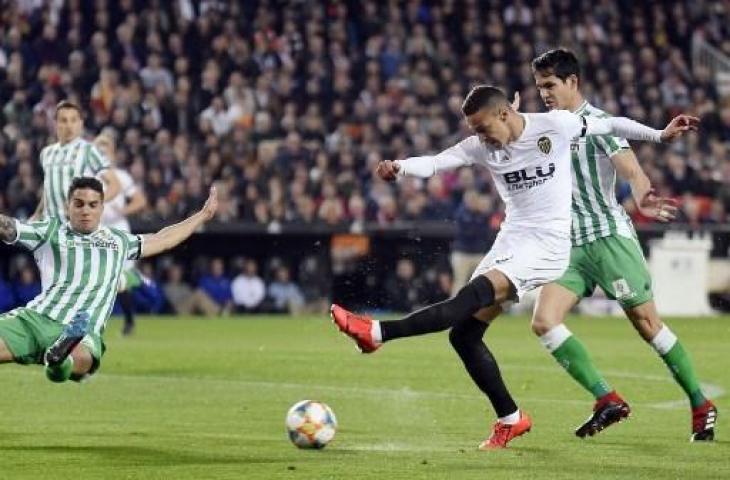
194,399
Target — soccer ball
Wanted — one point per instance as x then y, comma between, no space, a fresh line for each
311,424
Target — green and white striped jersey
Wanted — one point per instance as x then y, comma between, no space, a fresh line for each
79,272
61,163
595,211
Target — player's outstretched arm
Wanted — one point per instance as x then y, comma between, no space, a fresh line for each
8,230
426,166
679,125
172,236
651,205
633,130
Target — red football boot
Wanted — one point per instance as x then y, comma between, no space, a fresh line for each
704,418
503,433
357,327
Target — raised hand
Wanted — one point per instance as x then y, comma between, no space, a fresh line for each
211,205
679,125
388,170
662,209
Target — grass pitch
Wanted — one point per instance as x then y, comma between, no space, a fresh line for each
199,399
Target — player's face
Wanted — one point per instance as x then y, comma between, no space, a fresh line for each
68,124
84,210
555,92
490,125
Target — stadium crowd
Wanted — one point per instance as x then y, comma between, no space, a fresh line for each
288,106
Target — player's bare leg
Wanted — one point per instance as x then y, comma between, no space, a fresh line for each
5,353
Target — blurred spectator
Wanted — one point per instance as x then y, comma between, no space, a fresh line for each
27,287
285,295
183,299
199,98
149,296
404,289
316,283
7,297
248,288
217,285
438,288
476,229
288,110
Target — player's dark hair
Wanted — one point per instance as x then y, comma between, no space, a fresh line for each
80,183
482,96
68,105
560,62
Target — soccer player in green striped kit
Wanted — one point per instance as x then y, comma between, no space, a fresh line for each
606,253
80,263
70,157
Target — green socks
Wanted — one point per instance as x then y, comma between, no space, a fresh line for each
60,373
676,358
572,355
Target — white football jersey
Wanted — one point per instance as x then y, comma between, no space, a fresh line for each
113,216
532,174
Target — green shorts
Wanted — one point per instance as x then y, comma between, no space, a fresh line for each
28,335
614,263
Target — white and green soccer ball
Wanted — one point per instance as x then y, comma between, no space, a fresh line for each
311,424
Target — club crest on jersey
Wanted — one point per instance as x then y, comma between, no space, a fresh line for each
544,144
622,290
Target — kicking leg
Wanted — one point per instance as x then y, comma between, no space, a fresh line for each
645,319
483,291
553,305
6,355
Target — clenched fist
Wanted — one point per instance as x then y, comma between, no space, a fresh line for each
388,170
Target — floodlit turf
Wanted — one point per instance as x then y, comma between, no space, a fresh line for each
195,399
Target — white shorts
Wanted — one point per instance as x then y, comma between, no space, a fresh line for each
529,258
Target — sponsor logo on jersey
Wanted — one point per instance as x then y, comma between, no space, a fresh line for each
105,243
525,180
544,144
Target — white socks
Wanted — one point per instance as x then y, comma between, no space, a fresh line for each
664,341
555,337
511,419
376,333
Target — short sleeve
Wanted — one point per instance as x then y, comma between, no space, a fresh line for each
95,161
134,245
32,235
610,144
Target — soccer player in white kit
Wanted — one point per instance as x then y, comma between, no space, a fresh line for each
131,200
529,158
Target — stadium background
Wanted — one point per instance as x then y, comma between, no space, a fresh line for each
288,106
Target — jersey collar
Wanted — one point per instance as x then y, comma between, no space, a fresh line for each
71,143
70,229
582,107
